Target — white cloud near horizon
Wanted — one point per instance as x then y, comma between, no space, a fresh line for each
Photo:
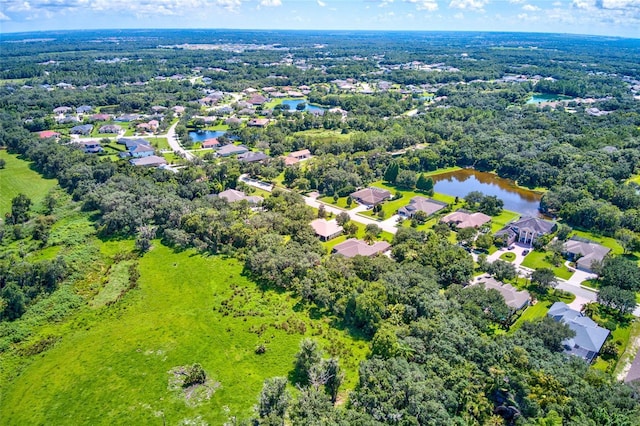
429,5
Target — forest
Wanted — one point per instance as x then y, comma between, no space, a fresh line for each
438,351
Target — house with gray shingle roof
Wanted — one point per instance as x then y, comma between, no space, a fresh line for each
228,150
589,336
371,196
514,298
83,129
586,252
421,204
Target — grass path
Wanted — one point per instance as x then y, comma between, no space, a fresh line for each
111,367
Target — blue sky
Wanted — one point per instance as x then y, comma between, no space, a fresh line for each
601,17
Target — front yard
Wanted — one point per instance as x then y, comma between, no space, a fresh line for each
537,260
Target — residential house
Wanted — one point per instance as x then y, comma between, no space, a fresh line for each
84,109
48,134
257,100
371,196
326,229
158,108
297,156
232,120
153,125
141,150
100,117
514,298
421,204
178,109
210,143
232,196
228,150
90,147
62,110
149,161
584,253
258,122
252,157
130,143
526,230
127,118
589,336
83,129
353,247
144,127
110,128
463,219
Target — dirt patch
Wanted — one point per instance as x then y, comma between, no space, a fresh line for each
193,395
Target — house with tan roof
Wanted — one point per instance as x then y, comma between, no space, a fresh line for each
326,229
297,156
371,196
232,196
421,204
258,122
463,219
584,253
353,247
514,298
210,143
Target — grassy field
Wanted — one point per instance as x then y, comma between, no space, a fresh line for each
536,260
533,312
111,367
16,178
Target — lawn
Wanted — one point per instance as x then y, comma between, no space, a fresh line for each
391,207
508,256
341,203
111,366
536,260
533,312
17,177
322,135
605,241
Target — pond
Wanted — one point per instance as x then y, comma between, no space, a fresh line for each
460,182
539,98
203,135
293,103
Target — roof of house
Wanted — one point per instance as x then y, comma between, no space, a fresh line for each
371,195
48,134
303,153
151,160
258,122
589,251
634,372
61,109
464,219
353,247
252,157
289,161
427,205
83,128
141,147
513,297
533,224
257,100
210,143
83,108
232,195
326,228
110,128
589,336
232,149
100,117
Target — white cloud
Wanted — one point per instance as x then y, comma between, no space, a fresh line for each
530,8
270,3
477,5
321,3
4,17
516,1
430,5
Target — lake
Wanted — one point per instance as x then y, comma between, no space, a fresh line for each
203,135
461,182
295,102
539,98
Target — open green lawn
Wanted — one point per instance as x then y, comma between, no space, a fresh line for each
500,221
533,312
508,256
605,241
322,135
111,366
17,177
536,260
342,202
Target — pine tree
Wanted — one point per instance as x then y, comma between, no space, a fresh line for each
425,184
391,174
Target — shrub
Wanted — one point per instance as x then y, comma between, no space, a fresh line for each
195,375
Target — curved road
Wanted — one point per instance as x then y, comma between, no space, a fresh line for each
174,143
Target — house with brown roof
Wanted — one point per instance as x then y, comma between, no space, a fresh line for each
296,156
514,298
353,247
258,122
463,219
421,204
210,143
584,253
257,100
326,229
371,196
149,161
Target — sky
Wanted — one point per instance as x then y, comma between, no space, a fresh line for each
596,17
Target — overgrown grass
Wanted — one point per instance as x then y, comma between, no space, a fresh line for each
112,365
17,177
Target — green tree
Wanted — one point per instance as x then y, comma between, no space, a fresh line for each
629,240
20,205
491,205
425,184
544,278
274,400
343,218
333,378
372,231
406,179
624,301
484,241
551,332
307,357
194,375
466,235
391,174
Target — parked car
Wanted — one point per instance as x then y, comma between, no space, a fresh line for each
511,247
525,252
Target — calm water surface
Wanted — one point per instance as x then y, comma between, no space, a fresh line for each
461,182
205,134
295,102
546,97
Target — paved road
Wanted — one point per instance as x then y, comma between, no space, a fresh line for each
174,143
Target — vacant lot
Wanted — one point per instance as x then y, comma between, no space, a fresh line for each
16,178
111,367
